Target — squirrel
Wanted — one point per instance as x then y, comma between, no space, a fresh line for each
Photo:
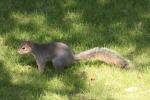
62,56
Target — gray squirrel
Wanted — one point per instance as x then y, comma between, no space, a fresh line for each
62,56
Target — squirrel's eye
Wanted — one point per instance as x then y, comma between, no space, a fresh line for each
23,48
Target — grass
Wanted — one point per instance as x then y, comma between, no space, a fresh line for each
121,25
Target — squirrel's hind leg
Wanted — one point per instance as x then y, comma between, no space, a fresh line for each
60,63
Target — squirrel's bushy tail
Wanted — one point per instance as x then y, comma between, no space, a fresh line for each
103,54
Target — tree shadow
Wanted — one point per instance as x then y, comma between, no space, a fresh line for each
67,82
11,91
100,17
73,79
4,76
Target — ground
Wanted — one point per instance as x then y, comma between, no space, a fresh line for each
121,25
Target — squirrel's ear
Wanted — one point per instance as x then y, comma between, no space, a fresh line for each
29,43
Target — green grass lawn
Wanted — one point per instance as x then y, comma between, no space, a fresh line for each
121,25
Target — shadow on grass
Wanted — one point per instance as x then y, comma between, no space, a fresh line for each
99,16
10,91
73,84
4,76
72,78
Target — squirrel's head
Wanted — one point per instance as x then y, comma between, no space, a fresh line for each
26,47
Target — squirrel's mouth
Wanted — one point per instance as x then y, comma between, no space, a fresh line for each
19,51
